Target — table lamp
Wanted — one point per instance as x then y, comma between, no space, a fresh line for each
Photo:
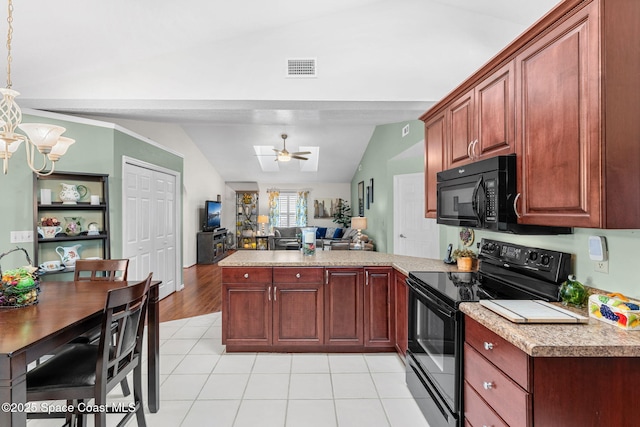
262,220
359,223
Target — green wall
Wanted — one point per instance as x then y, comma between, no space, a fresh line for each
381,161
97,149
384,158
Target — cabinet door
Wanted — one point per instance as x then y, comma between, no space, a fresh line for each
379,320
247,314
343,306
298,306
462,133
434,139
557,120
246,305
495,114
402,309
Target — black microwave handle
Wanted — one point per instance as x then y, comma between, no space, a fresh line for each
475,204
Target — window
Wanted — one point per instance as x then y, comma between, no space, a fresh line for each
287,202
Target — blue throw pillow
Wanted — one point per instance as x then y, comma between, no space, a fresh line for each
320,232
338,233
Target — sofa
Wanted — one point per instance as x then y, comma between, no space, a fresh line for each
334,238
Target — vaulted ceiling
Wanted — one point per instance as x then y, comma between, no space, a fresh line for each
218,68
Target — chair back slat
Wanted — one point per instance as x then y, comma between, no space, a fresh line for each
111,270
127,307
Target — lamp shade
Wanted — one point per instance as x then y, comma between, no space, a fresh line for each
263,219
359,222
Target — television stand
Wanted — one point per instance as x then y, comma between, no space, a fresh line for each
211,246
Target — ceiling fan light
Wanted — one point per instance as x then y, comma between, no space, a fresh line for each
284,157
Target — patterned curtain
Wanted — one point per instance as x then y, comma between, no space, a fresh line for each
301,209
274,209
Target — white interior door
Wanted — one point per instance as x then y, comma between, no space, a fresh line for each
414,235
150,225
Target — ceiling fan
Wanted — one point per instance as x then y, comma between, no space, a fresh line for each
285,156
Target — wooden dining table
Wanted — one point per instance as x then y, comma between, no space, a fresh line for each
64,311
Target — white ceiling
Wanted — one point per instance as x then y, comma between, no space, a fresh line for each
218,68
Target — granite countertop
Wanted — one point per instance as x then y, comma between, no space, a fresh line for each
593,339
404,264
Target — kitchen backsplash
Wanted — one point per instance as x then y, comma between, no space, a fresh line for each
623,274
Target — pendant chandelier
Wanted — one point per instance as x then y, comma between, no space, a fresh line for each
44,138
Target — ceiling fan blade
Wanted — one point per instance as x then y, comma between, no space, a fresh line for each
293,156
276,150
301,153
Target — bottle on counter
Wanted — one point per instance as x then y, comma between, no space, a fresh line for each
573,292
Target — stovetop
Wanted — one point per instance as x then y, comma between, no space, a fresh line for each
507,271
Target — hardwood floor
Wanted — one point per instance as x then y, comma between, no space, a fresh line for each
201,294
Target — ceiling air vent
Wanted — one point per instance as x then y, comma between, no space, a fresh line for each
302,68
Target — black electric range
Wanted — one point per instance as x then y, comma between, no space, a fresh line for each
436,331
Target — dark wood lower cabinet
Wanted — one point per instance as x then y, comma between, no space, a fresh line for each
344,306
505,386
308,309
379,318
401,294
298,306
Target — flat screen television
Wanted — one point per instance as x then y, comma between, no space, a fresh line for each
212,211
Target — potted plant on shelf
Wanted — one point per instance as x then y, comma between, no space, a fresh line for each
465,259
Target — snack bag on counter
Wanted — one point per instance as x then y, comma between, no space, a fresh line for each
615,309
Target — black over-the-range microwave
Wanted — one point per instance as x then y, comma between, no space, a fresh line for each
482,195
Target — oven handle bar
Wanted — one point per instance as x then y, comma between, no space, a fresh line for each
433,303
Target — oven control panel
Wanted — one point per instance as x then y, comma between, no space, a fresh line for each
550,263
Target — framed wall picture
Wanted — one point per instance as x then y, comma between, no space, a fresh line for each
368,196
361,198
371,190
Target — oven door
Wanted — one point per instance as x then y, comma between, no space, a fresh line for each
434,356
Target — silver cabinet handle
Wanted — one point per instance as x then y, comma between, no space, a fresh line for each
473,149
297,275
269,292
326,277
469,150
487,385
246,275
515,205
488,346
275,297
366,275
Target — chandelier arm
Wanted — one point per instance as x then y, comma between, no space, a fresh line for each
30,147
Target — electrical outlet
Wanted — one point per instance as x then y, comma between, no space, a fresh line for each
602,266
405,131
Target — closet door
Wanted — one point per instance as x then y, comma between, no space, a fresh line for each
151,242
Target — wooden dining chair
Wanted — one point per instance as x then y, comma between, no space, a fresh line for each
84,371
112,270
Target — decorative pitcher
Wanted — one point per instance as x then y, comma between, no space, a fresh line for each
72,193
69,254
73,225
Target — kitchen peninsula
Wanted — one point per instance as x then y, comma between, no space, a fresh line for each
334,301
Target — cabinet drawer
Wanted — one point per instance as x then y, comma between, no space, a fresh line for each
507,399
510,359
246,275
297,274
477,412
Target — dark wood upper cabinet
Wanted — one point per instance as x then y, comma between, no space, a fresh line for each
434,139
564,98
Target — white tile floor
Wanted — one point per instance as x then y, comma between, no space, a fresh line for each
201,385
